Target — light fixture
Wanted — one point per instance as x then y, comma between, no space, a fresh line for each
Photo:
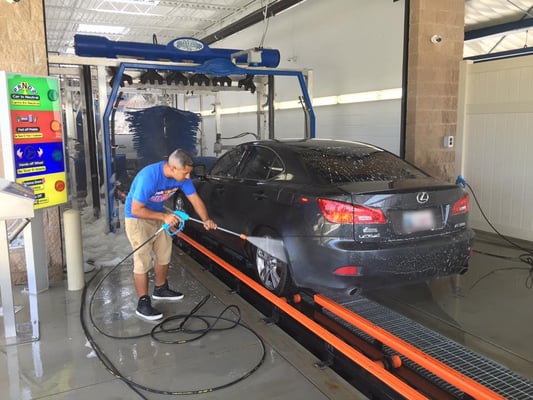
287,105
115,30
390,94
128,7
325,101
350,98
138,2
360,97
145,14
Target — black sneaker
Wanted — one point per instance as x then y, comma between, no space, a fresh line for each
146,311
164,293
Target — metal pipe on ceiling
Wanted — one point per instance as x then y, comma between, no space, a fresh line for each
500,29
502,54
251,19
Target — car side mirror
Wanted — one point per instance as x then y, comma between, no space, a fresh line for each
199,171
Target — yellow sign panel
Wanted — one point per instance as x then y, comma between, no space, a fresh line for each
38,135
48,189
31,170
34,103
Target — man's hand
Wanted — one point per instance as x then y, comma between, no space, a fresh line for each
172,219
209,224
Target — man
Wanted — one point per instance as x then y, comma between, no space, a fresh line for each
145,214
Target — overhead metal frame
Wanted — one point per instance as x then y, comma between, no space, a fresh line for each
213,67
502,30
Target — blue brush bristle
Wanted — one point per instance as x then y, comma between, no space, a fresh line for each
159,130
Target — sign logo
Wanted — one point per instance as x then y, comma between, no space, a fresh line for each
24,88
24,94
188,44
422,197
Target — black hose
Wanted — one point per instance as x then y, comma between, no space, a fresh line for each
163,329
527,257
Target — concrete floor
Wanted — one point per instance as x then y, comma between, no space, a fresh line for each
488,310
62,364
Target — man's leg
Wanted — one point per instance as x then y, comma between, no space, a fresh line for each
161,289
161,272
163,252
141,260
141,284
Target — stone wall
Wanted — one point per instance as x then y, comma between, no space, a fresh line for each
433,83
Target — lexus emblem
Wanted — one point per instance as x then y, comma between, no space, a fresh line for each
422,197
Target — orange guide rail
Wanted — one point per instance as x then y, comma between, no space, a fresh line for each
436,367
377,370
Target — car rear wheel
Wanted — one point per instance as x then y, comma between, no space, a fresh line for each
271,272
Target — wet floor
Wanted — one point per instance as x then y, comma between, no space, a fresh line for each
240,356
488,309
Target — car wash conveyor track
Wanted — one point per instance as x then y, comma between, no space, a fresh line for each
412,361
427,352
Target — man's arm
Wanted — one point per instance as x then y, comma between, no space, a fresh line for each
201,210
141,211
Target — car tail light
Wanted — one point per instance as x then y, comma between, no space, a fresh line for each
336,211
461,206
346,271
368,215
345,213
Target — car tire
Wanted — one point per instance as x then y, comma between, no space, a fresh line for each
271,272
179,202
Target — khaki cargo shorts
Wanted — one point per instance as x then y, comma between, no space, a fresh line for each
138,231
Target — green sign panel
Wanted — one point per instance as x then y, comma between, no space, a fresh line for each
37,137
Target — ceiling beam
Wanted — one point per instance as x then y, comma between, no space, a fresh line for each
249,20
502,54
501,29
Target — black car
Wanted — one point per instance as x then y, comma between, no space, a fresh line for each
350,215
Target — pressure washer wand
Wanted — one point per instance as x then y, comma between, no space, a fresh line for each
270,245
241,235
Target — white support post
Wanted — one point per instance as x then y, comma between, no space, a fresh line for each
36,258
5,285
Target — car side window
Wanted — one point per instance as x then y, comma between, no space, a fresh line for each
227,165
261,164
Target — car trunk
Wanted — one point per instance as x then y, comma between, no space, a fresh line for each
411,210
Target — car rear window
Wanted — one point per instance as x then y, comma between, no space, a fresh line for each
343,165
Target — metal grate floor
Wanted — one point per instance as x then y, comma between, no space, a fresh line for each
481,369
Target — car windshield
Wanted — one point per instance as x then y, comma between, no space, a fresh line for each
343,165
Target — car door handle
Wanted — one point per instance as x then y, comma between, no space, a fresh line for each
260,195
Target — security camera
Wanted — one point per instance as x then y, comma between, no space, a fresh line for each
436,39
12,1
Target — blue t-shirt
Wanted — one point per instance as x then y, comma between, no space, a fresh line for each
152,188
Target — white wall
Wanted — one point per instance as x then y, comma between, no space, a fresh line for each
350,46
497,143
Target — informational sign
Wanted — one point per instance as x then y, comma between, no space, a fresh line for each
35,136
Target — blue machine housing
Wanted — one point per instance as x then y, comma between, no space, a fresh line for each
183,49
196,57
